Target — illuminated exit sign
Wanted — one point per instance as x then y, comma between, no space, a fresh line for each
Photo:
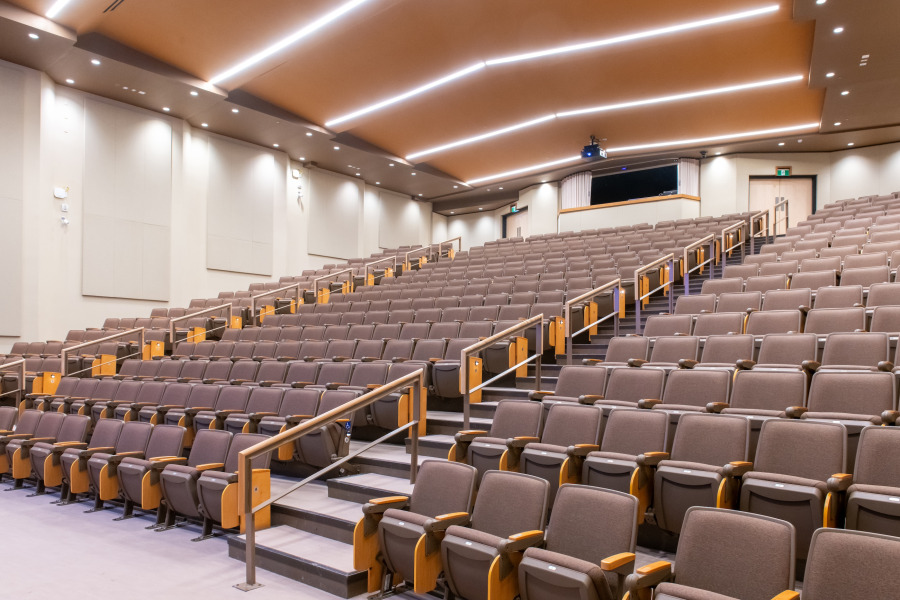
782,171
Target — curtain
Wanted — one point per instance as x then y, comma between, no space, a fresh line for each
689,176
576,190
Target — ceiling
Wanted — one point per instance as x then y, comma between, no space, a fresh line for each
172,54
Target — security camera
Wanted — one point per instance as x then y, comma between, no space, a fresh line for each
703,154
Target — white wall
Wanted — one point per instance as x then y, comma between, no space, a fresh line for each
42,146
629,214
725,180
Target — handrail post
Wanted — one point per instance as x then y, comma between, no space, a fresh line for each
20,392
538,350
416,396
616,307
614,285
672,286
668,259
567,315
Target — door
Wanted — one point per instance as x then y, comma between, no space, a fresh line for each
766,191
517,224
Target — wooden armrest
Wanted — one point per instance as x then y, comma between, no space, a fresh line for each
716,407
581,449
618,561
388,500
787,595
648,402
839,482
794,412
210,466
651,459
737,468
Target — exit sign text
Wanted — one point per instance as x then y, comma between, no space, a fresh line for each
782,171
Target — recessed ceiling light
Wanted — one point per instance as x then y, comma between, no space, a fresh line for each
195,93
204,124
500,188
629,37
839,30
391,164
377,183
845,92
718,154
543,181
455,187
413,173
166,109
849,143
57,6
821,1
357,174
289,40
309,134
337,147
781,143
302,158
605,108
800,141
95,62
452,213
235,110
275,145
420,195
829,74
479,208
33,36
70,81
837,123
142,93
124,87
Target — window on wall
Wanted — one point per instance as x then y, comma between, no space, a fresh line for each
629,185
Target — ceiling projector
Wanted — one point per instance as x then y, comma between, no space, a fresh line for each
593,151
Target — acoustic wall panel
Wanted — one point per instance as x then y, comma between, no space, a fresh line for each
240,207
399,220
127,203
335,207
12,165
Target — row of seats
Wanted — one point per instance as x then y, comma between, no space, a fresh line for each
139,463
439,536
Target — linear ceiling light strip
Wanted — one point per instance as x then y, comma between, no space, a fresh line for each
716,138
288,41
560,50
605,108
56,8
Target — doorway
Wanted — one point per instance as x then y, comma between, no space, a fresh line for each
516,224
799,190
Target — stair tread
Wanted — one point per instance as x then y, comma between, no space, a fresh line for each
313,498
309,547
392,485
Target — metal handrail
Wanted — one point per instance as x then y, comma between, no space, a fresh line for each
711,240
638,298
739,226
415,380
330,275
66,352
756,218
570,335
440,245
229,307
393,260
786,204
293,286
406,265
536,321
19,391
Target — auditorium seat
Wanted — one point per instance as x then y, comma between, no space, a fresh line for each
822,321
570,431
722,352
588,550
732,302
789,480
633,443
855,351
720,323
871,499
66,464
668,350
399,536
483,449
667,325
710,565
231,400
15,445
491,546
132,441
850,564
708,457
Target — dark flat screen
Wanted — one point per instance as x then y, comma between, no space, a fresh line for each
630,185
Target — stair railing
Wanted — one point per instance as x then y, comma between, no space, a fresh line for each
467,355
781,206
317,289
297,297
666,263
729,235
756,228
585,297
65,353
227,309
414,382
695,247
370,268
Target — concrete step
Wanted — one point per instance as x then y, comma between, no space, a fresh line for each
448,423
310,509
365,486
314,560
385,459
436,446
